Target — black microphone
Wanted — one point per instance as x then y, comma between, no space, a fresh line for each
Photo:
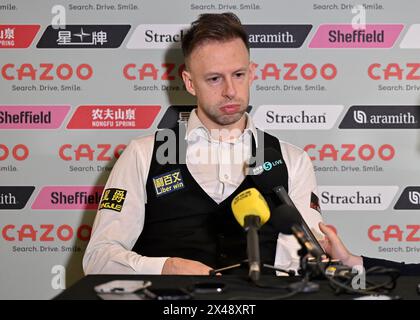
292,210
267,176
287,220
306,242
283,218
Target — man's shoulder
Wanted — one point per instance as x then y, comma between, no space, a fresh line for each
143,141
291,148
141,146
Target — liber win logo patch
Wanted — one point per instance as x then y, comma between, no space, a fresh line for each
168,182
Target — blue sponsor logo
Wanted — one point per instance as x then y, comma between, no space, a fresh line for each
168,182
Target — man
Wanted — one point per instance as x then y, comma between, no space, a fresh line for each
337,250
159,217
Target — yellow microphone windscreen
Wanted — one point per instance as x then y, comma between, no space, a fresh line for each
250,202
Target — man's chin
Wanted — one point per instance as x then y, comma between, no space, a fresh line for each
229,119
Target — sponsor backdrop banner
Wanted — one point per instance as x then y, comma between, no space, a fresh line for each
335,78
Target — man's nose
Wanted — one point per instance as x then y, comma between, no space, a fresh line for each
229,90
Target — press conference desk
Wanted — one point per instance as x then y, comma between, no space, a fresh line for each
237,287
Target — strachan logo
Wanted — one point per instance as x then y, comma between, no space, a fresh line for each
157,36
297,117
381,117
409,199
356,198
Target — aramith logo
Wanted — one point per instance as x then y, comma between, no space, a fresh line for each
356,198
157,36
277,36
409,199
414,197
84,36
14,198
297,117
381,117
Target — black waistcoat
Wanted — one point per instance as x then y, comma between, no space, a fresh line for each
181,220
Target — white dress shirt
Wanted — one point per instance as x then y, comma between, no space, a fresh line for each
115,233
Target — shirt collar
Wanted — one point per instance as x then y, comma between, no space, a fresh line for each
195,126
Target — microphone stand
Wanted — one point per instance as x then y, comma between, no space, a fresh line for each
305,285
291,273
309,269
252,224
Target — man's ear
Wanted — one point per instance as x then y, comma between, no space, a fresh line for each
186,76
252,68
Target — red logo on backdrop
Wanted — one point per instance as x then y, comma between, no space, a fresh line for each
113,117
267,71
350,152
166,71
394,71
45,232
15,36
46,71
17,152
100,152
294,71
408,233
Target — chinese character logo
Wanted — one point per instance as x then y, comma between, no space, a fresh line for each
168,182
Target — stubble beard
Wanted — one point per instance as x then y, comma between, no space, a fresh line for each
223,119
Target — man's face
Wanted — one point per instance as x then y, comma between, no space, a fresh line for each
220,74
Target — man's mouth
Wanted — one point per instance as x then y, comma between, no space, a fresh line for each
230,108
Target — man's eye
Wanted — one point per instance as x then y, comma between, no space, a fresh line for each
239,74
213,79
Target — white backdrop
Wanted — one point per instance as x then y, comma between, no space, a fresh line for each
72,98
